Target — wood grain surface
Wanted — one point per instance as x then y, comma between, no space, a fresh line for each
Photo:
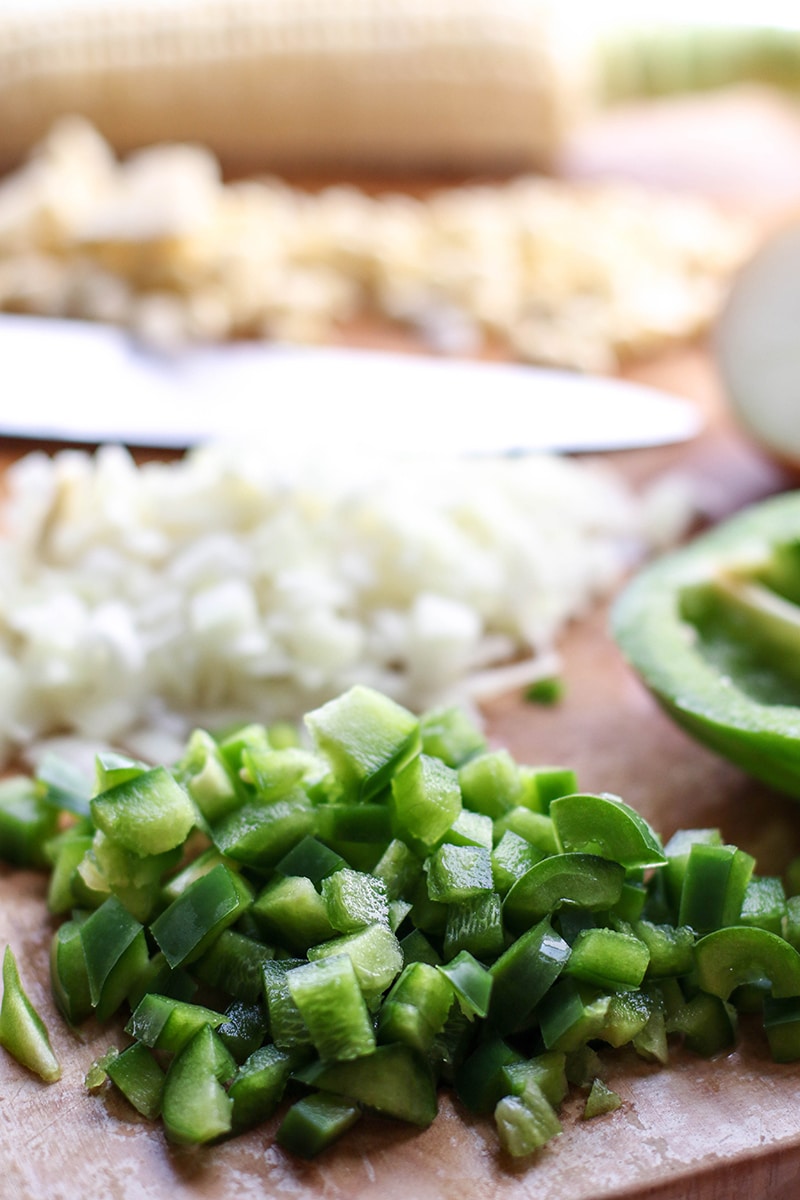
720,1130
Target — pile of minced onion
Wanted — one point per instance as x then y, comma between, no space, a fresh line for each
137,602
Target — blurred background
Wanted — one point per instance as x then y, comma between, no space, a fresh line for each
487,176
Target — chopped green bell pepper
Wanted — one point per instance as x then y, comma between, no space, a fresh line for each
22,1031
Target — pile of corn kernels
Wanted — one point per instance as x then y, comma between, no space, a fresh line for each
557,273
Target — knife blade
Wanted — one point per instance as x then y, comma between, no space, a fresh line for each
80,382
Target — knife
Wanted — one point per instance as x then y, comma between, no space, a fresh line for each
80,382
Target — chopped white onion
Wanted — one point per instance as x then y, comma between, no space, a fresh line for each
139,602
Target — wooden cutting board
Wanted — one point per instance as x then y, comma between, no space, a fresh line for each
720,1130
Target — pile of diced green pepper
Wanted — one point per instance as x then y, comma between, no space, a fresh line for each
345,923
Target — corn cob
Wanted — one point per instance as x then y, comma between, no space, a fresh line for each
386,84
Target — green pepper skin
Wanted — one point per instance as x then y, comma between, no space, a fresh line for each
22,1031
715,707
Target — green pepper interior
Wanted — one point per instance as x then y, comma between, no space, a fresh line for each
747,626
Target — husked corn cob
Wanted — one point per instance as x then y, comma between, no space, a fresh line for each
386,84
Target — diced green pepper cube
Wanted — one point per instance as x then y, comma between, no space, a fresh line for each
260,835
196,1108
547,1069
367,738
212,903
370,823
136,1073
479,1079
782,1027
677,851
416,1008
526,1123
311,858
627,1016
551,782
425,801
764,904
233,964
258,1085
475,925
149,814
399,868
671,948
234,742
714,886
273,773
393,1080
164,1023
609,959
707,1024
330,1001
471,829
111,768
491,783
244,1029
512,857
582,1065
291,912
68,852
207,777
375,953
537,828
354,899
601,1100
315,1122
650,1043
27,822
458,873
470,981
115,948
286,1025
571,1014
449,734
524,974
631,903
134,879
69,975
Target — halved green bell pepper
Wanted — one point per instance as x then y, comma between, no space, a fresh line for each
713,630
